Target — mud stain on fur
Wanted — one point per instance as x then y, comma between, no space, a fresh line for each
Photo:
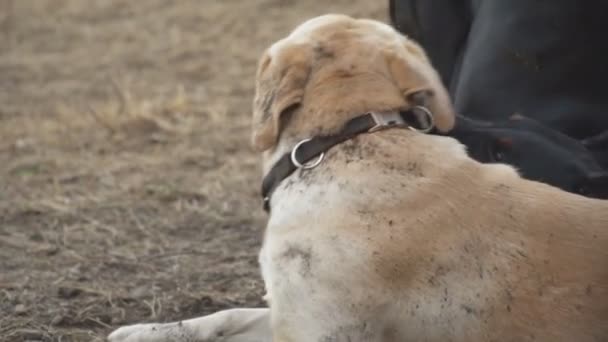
351,150
322,51
303,254
176,332
350,333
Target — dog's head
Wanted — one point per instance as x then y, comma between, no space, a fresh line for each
333,68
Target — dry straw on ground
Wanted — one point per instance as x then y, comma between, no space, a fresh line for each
128,191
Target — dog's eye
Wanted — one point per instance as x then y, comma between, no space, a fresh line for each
495,154
499,149
499,155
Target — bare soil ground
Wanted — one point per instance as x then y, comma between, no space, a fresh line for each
128,191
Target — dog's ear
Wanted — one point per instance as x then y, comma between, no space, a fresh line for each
281,81
420,84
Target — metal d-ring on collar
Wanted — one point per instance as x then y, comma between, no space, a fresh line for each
315,147
429,116
381,123
305,166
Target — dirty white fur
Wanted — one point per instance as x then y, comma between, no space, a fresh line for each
235,325
399,236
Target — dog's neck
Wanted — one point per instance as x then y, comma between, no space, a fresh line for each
315,147
329,104
290,138
285,145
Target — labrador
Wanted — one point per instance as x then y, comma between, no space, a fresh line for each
380,232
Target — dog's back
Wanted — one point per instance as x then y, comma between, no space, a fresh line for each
398,235
446,247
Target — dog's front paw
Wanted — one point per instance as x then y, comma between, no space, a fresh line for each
137,333
154,332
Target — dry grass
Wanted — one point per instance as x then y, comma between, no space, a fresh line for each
128,191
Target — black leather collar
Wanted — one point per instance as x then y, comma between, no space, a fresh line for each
301,155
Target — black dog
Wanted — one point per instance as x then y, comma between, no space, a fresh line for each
544,59
538,152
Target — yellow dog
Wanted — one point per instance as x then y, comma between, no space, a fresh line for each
381,233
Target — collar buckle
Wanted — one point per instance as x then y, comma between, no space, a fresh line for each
384,120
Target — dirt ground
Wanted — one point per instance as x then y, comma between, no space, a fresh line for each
128,190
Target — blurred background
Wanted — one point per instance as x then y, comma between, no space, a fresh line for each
128,190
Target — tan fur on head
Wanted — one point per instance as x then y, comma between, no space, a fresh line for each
280,86
333,68
416,76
